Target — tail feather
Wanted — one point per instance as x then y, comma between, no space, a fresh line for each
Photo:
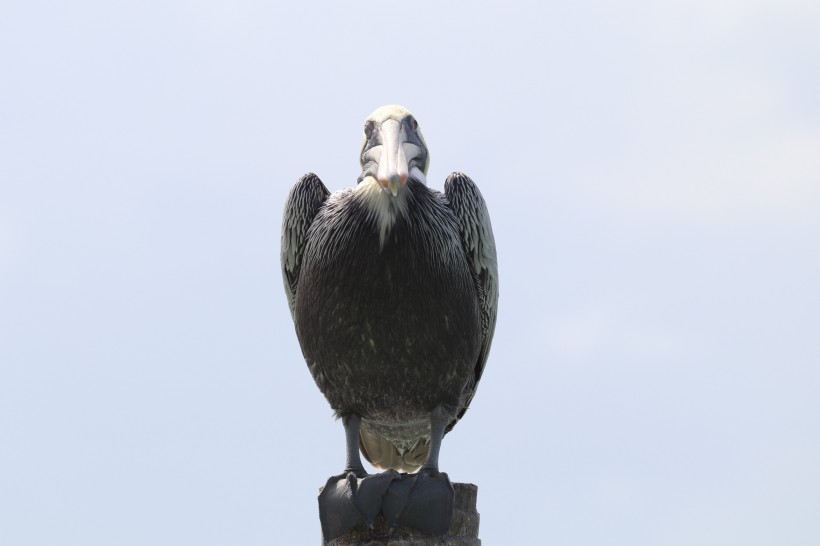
384,454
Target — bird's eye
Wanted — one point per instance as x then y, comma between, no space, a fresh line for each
368,128
413,123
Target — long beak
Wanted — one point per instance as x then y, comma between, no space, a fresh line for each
393,166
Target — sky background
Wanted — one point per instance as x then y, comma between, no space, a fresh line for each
652,170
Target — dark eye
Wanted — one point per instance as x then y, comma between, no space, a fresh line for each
368,128
413,123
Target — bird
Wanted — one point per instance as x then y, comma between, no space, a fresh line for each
393,291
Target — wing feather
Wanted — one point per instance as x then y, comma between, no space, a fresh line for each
479,246
303,203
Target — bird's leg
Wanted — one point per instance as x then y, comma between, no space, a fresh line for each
354,496
338,507
352,422
439,419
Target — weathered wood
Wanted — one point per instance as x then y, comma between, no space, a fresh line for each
463,528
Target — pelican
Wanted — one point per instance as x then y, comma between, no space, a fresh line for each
393,290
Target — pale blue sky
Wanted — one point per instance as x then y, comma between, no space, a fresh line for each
653,175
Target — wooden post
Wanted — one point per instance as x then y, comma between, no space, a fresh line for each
463,528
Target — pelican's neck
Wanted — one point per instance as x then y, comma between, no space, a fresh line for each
381,206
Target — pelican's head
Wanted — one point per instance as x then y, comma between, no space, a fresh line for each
393,150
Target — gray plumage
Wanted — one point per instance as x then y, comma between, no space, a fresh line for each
393,289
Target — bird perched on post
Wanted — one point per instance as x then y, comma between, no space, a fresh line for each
393,289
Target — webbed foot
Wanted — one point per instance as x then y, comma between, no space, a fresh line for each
337,510
423,501
348,500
